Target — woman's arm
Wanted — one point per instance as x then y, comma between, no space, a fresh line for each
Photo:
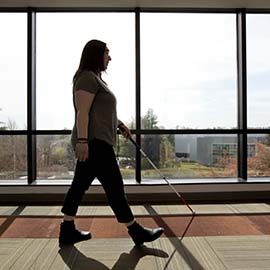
83,103
119,122
124,130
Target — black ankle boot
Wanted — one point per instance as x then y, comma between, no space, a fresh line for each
69,235
140,234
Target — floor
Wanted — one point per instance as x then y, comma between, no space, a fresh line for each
219,236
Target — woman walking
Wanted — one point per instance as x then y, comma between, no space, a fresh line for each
93,138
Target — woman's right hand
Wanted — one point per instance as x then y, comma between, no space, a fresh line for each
81,151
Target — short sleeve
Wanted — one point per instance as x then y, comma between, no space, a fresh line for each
87,81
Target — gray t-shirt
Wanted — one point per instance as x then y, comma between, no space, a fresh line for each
102,116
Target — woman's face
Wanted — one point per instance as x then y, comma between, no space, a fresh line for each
106,58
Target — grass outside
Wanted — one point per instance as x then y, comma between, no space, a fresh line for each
183,170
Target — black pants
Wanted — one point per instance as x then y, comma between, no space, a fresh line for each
102,164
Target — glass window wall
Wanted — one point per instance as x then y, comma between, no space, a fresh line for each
188,80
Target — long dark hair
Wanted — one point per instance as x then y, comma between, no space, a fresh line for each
91,58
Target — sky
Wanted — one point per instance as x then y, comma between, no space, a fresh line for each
188,67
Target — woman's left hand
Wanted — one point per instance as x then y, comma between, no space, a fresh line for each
124,130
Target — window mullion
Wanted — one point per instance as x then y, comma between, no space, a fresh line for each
138,93
31,95
242,93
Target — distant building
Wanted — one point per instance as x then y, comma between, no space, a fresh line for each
207,149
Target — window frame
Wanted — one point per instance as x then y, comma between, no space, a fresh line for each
241,131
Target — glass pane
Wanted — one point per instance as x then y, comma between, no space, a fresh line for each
190,156
259,155
258,70
125,151
13,157
13,71
56,159
60,40
188,70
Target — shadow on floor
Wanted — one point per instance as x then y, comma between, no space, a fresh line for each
11,218
183,251
76,260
